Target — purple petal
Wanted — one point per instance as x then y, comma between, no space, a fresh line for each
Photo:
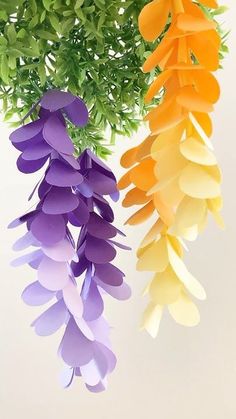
102,184
51,320
79,267
55,133
66,377
71,160
104,210
53,275
60,201
100,228
99,251
26,132
84,328
120,245
73,300
25,241
27,166
55,99
109,274
93,305
85,189
120,293
60,252
36,151
30,257
76,349
80,215
115,196
60,174
48,229
44,188
77,112
96,160
36,295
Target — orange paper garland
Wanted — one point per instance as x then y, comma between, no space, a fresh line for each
174,172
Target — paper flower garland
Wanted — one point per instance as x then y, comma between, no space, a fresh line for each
174,172
72,192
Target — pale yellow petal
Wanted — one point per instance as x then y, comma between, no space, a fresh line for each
151,319
165,287
199,182
190,212
197,152
184,311
192,285
155,257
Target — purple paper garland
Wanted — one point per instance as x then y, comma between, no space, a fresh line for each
71,193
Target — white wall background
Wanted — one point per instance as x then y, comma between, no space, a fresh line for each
184,373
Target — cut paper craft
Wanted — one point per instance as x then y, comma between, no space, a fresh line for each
72,273
174,172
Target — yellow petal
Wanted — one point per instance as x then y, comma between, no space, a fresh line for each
190,212
184,311
165,287
155,257
151,319
153,233
197,152
192,285
197,182
153,18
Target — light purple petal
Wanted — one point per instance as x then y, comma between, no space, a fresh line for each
72,299
76,349
93,305
60,252
25,241
51,320
84,328
48,229
60,201
53,275
61,174
102,386
55,133
26,258
36,295
66,376
120,293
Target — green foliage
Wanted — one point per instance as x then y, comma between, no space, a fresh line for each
90,47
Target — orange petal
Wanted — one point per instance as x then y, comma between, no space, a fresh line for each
205,51
165,48
135,197
166,213
157,85
191,23
206,85
153,18
204,121
210,3
142,175
129,158
142,215
125,181
192,101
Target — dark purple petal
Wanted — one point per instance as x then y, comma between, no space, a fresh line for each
48,229
55,133
77,112
80,215
36,151
26,132
43,189
93,305
99,251
60,201
51,320
55,99
76,349
27,166
100,228
60,174
53,275
104,210
120,245
109,274
79,267
36,295
101,184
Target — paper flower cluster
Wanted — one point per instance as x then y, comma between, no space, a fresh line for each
174,172
71,194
